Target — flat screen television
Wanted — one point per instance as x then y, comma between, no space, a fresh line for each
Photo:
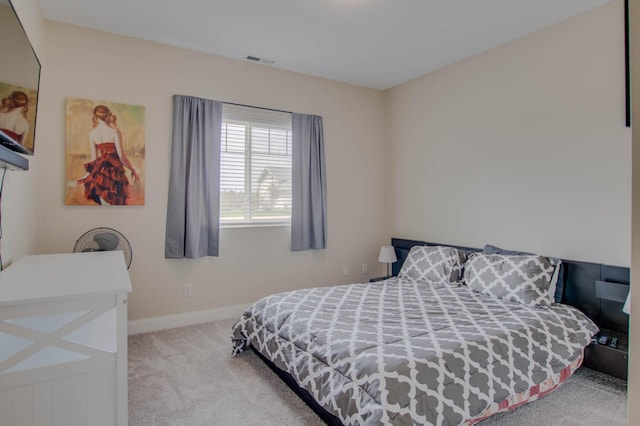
19,83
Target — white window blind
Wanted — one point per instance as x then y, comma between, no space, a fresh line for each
255,166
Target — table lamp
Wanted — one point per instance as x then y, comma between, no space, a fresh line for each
388,256
627,304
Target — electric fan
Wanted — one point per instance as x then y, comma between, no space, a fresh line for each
104,239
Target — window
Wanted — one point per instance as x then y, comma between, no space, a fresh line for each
255,166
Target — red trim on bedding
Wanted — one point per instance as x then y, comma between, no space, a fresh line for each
535,392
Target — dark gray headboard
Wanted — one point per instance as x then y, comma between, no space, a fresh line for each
597,290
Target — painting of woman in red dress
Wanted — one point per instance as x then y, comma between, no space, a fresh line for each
18,114
105,181
109,176
13,115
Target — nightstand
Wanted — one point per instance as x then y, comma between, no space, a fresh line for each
612,361
608,360
373,280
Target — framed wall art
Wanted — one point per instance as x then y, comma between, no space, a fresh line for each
105,153
18,117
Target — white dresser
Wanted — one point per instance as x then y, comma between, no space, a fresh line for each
63,340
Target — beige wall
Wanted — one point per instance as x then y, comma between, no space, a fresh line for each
32,22
253,262
19,214
523,146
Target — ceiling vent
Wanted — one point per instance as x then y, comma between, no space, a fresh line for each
261,60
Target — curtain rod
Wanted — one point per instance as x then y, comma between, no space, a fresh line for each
251,106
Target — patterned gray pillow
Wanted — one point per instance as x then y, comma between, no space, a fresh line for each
520,278
433,263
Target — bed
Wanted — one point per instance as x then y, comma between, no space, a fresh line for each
457,336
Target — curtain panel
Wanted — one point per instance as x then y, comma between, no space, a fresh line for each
309,193
193,208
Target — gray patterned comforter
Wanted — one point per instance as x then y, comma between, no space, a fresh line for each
403,352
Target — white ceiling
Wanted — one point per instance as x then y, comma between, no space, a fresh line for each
372,43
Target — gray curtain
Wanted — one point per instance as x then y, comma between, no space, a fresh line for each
309,204
193,208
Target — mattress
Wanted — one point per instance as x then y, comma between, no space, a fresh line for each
405,352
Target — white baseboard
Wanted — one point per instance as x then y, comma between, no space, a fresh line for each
165,322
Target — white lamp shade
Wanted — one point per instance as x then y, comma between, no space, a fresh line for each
387,254
627,304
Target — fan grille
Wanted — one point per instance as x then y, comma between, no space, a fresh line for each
102,239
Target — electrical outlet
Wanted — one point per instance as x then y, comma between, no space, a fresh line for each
345,270
188,290
365,268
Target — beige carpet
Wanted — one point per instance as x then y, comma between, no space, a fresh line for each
187,376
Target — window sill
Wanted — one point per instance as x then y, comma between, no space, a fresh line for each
254,225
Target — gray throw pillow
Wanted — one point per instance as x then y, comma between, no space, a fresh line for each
520,278
434,264
557,284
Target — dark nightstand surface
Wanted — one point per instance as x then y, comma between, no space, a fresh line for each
373,280
606,359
